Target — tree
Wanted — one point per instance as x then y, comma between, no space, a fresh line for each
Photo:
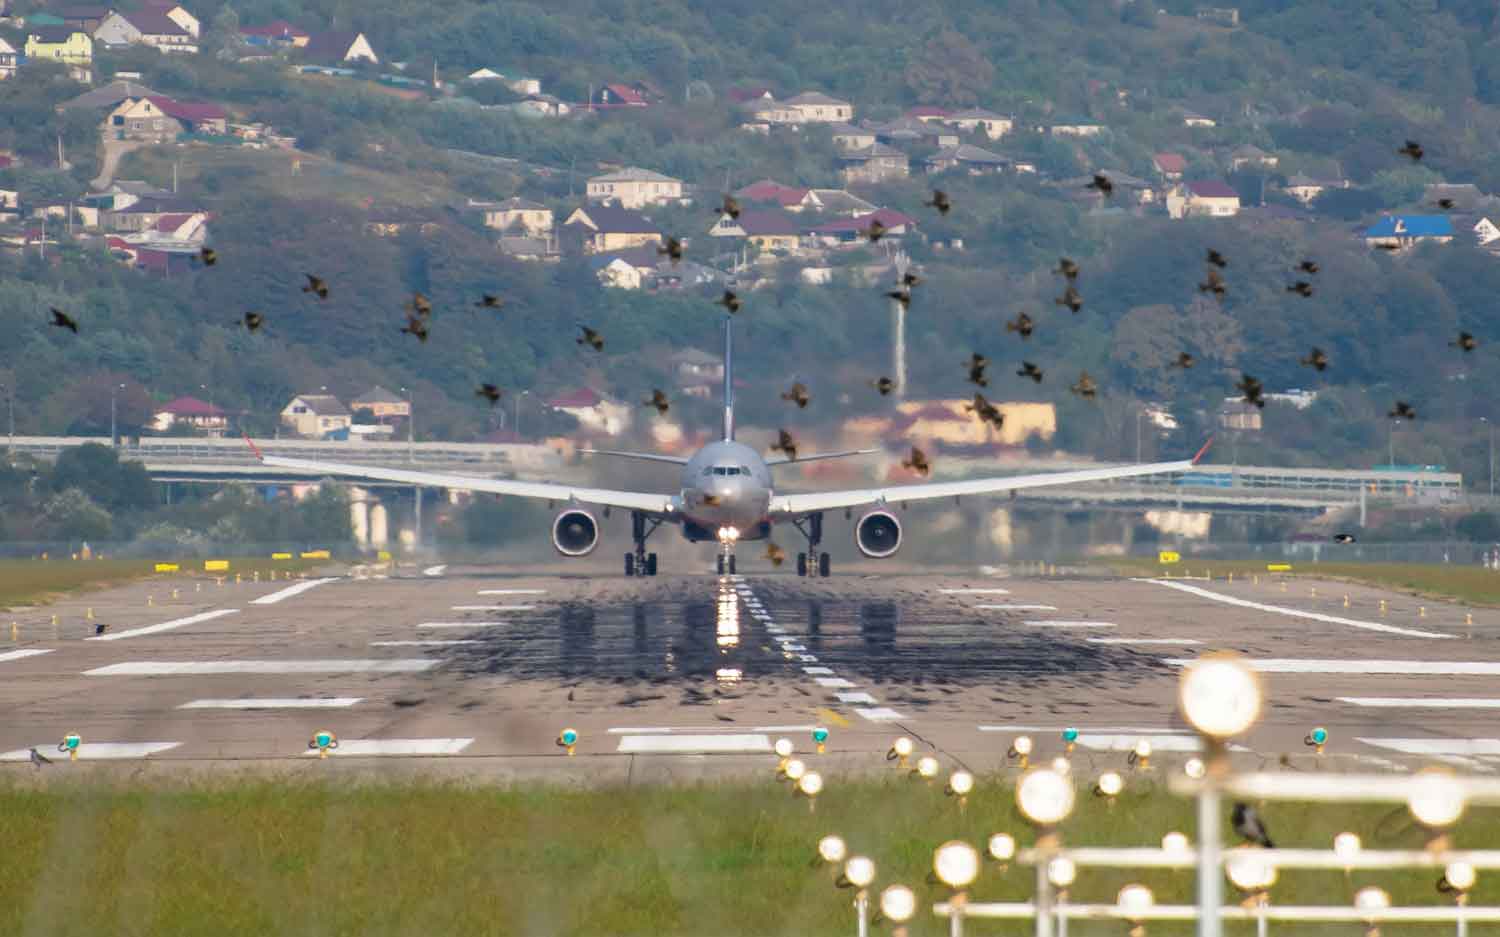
72,515
98,472
949,70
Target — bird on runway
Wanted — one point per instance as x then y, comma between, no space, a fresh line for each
100,628
38,759
1247,823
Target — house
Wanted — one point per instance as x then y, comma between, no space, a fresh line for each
619,95
1252,157
10,201
83,18
594,411
850,137
1306,189
630,269
1137,190
7,60
107,97
1405,231
873,164
635,188
1206,197
1236,414
812,107
518,85
767,230
382,405
529,249
150,26
748,95
847,230
195,117
72,47
1486,233
276,33
597,229
144,213
1191,119
179,15
976,161
517,216
316,416
836,202
122,193
159,119
977,119
1170,166
698,373
188,227
542,105
333,48
929,113
1075,127
790,198
911,130
192,412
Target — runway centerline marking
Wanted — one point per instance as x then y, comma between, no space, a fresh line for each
462,624
1062,623
367,747
289,591
856,698
1391,702
1185,641
95,751
835,683
1017,607
1436,746
24,653
1406,668
818,671
159,668
1138,731
878,713
165,626
974,591
1295,612
693,744
332,702
670,730
435,570
430,643
494,608
512,591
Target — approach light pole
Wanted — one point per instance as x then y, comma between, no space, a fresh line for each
1491,427
114,439
518,413
1391,444
411,431
10,403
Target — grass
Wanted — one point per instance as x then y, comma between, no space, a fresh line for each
415,858
1472,585
37,581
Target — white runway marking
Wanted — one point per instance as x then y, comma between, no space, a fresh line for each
647,730
669,730
494,608
167,668
94,751
974,591
1138,731
165,626
1013,607
396,747
856,698
433,643
797,648
818,671
694,744
808,658
879,714
1142,641
1296,613
1437,746
290,591
1060,623
435,570
332,702
835,683
1404,668
461,624
1390,702
25,652
512,591
1125,743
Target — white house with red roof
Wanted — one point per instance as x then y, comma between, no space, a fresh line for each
192,412
594,411
789,197
846,230
1203,198
1170,166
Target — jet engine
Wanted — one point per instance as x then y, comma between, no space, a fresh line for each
575,533
878,534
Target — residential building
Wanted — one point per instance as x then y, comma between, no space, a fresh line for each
813,107
1134,189
790,198
928,112
192,412
382,404
594,411
767,230
335,48
1486,233
1192,119
1205,197
179,15
847,230
160,119
873,164
1251,157
542,105
976,161
72,47
517,85
977,119
276,33
83,18
1236,414
107,97
144,213
187,228
1075,127
907,130
850,137
627,269
748,95
7,60
1405,231
518,216
634,187
122,193
837,202
1170,166
10,202
529,249
596,229
316,416
151,26
1306,189
619,95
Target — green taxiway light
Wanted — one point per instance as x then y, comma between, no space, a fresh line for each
1070,735
1319,736
569,737
71,741
820,735
324,739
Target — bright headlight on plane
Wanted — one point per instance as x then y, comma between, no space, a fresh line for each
731,533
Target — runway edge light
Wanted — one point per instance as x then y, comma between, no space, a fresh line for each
1316,739
70,744
820,736
323,740
568,738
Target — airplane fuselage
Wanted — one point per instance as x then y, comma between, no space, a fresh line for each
726,486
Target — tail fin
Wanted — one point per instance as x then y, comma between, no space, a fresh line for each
728,378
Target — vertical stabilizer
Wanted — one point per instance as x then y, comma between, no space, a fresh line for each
728,378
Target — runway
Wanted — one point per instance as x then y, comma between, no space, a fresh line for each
473,671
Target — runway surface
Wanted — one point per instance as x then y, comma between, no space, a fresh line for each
472,671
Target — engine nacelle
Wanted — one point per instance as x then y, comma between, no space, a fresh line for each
878,534
575,533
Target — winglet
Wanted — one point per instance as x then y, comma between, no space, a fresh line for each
254,448
1203,450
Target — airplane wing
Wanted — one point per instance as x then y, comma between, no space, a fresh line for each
816,456
545,491
643,456
799,504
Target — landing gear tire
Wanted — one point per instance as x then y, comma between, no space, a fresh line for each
630,564
731,565
721,564
825,565
802,564
650,564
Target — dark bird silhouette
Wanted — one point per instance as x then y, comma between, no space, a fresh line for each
64,321
489,301
1214,284
1308,266
875,230
253,320
659,401
917,462
316,286
209,256
729,206
798,395
774,553
1445,203
976,365
1067,268
902,296
1102,183
591,338
420,305
1343,538
1216,258
986,411
38,759
415,326
1316,359
729,301
786,445
672,249
1086,387
1251,388
910,279
883,384
1184,360
1021,323
1388,246
100,628
1402,411
1465,341
1412,149
1070,298
940,201
1248,824
1030,370
489,392
1301,288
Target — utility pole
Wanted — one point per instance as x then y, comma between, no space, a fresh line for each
1491,427
10,400
1138,414
411,430
114,438
1391,443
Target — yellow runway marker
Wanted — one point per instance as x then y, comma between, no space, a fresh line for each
828,715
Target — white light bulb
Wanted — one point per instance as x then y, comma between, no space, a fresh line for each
1174,842
902,746
1022,745
1062,766
784,747
1346,846
1460,875
1371,899
1061,872
1143,748
1002,847
927,767
1195,769
1045,796
795,769
961,782
810,784
956,863
1436,799
832,849
860,871
1220,695
1250,869
1110,783
898,903
1134,901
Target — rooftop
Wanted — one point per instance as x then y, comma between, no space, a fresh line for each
190,406
377,395
323,404
1212,188
612,219
1411,226
633,174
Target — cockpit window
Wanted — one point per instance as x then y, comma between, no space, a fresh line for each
744,470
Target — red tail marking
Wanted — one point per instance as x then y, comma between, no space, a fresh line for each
254,448
1203,450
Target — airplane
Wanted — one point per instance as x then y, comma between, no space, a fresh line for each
727,495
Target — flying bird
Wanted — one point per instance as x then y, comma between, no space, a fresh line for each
910,279
1216,258
253,320
917,462
1030,370
940,201
883,384
1390,246
415,326
798,395
1086,387
1465,341
1402,411
420,304
1102,183
986,411
729,301
775,554
1301,288
875,231
38,759
489,392
729,206
1308,266
1184,360
315,285
672,249
1214,284
209,256
1343,538
1021,323
1251,388
976,365
1412,149
659,401
591,338
489,301
1070,298
902,296
1248,824
785,444
1067,268
64,321
1317,359
1445,203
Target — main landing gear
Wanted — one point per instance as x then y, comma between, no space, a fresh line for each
812,563
641,563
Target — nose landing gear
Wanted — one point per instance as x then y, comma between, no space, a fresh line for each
812,563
